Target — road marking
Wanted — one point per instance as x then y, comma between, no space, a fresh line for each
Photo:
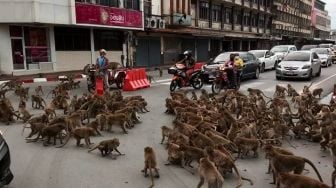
318,83
164,80
40,79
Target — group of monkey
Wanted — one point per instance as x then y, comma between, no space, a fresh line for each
210,129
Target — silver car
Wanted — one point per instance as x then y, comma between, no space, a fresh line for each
299,64
325,55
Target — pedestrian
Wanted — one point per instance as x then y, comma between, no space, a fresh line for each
102,66
239,64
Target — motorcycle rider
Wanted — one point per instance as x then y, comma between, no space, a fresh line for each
231,70
239,64
189,62
102,65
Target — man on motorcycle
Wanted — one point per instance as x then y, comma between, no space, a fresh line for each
189,62
102,65
239,64
231,70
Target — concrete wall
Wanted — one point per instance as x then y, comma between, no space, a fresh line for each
36,11
6,59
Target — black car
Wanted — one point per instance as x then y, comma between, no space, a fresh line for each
251,65
6,175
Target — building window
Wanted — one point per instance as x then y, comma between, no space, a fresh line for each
216,12
237,17
261,20
204,10
228,15
254,20
132,4
148,7
108,40
72,39
246,18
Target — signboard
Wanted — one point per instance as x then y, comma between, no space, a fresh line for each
108,16
181,19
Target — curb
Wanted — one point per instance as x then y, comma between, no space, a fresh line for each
47,79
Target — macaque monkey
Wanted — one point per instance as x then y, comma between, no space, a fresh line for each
107,146
280,91
150,164
94,125
194,96
317,92
245,145
52,131
35,128
190,154
25,115
38,102
50,112
209,173
291,91
256,92
79,134
332,146
39,90
290,180
166,131
120,119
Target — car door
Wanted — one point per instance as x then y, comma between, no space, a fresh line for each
246,64
315,64
252,64
269,60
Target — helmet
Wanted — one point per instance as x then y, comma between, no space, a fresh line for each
102,51
187,53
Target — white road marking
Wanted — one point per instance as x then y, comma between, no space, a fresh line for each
318,83
40,79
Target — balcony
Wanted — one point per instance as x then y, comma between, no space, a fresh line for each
247,3
254,30
237,27
261,30
227,27
246,29
255,6
203,24
216,26
181,20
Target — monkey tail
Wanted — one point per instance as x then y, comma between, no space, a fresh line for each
97,146
315,169
67,140
151,174
240,182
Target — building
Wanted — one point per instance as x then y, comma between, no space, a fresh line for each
60,35
320,21
206,27
292,21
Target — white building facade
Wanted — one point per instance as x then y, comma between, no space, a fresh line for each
41,36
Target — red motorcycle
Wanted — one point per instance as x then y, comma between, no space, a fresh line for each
116,76
221,81
180,78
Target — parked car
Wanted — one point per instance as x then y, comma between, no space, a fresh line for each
267,59
6,175
300,64
251,65
325,55
282,50
326,46
308,47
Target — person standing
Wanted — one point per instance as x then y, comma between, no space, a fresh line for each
102,65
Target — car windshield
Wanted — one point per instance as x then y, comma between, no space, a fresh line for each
297,56
258,54
321,50
221,58
279,49
324,45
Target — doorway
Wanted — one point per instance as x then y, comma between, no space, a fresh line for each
18,54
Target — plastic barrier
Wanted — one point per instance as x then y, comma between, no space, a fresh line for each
99,86
135,79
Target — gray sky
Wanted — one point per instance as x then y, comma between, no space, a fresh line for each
331,7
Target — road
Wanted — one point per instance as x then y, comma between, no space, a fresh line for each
36,166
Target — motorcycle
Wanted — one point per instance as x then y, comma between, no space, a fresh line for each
221,81
117,76
180,78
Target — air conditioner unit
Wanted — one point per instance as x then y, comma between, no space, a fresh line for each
147,22
161,23
153,23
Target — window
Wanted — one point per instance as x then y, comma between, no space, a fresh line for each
246,18
36,45
204,10
237,17
216,12
254,21
261,21
227,15
250,57
132,4
107,39
148,7
72,39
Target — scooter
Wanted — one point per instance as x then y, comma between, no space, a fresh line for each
221,81
180,78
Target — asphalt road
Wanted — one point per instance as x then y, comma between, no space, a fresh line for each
36,166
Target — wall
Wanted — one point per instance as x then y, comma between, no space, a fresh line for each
6,59
156,7
36,11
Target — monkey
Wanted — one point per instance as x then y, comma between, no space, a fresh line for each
204,95
280,91
269,147
39,90
7,111
119,118
35,127
166,131
160,71
94,125
107,146
200,140
220,141
332,148
101,120
306,89
38,102
79,134
24,112
150,164
257,92
291,91
190,154
73,121
194,96
50,112
39,119
75,85
317,92
52,132
244,145
175,155
290,180
209,173
288,163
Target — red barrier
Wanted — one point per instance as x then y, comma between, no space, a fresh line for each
135,79
99,86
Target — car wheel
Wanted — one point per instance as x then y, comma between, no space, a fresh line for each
257,73
310,76
262,67
319,72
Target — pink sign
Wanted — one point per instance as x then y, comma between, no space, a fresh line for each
102,15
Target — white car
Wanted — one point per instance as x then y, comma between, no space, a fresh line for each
282,50
267,59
